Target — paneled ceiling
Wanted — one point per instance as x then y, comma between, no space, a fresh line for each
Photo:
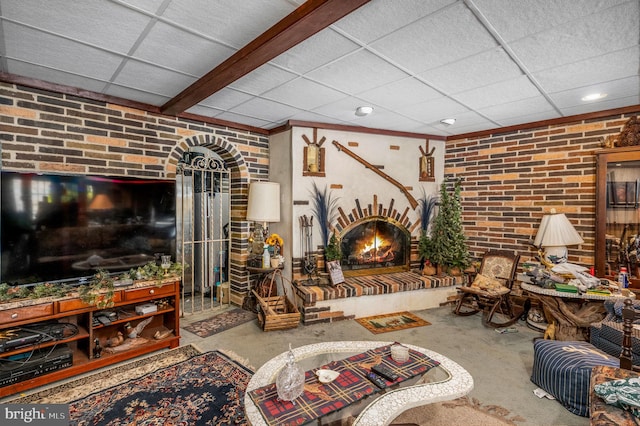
486,63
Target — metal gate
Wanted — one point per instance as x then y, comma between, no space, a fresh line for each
203,215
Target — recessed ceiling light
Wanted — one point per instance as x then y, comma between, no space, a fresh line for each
363,110
594,96
448,121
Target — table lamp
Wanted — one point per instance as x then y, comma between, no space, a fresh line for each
554,235
263,207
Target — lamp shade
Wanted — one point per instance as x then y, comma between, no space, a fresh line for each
101,202
264,202
556,231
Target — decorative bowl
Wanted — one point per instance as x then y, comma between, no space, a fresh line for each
327,376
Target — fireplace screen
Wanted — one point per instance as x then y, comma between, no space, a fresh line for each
375,244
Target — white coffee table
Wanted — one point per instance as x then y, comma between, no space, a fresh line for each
451,381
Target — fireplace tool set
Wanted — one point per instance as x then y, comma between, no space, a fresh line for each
309,264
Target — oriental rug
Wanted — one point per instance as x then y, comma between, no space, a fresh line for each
193,389
391,322
224,321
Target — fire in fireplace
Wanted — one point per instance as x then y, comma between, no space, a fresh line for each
375,243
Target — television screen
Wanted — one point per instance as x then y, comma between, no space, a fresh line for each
64,227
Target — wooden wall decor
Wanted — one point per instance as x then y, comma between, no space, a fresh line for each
629,136
313,156
412,201
427,164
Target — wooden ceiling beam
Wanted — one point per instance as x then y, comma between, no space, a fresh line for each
308,19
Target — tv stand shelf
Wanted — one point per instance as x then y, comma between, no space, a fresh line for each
162,331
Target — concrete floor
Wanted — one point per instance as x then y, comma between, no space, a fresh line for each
500,364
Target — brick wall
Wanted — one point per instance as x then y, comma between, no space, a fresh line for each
54,132
511,179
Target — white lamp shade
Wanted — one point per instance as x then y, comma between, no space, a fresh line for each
556,231
264,202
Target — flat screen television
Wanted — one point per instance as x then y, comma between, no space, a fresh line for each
66,227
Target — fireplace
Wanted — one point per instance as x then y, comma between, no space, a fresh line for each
373,243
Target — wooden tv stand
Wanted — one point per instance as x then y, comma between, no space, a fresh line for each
76,315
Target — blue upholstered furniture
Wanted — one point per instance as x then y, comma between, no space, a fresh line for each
606,335
563,369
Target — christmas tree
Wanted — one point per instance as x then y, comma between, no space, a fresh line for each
449,248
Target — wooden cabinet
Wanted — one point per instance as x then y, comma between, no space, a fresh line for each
59,337
618,212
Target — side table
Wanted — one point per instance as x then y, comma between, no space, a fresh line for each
570,314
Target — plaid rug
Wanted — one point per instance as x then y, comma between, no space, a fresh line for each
222,322
391,322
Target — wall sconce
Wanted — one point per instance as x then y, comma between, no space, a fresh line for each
263,206
313,156
554,235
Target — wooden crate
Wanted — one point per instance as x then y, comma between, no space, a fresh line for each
277,313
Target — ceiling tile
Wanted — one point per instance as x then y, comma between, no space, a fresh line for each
327,45
304,94
479,70
581,39
385,119
516,19
381,17
147,78
357,72
602,105
226,99
396,94
534,105
264,109
614,89
232,22
50,74
250,121
82,20
447,36
613,66
262,79
58,53
433,111
181,51
498,93
343,109
136,95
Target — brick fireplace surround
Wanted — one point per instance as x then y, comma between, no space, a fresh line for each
511,177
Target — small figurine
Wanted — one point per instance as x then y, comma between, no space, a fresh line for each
133,332
97,350
115,341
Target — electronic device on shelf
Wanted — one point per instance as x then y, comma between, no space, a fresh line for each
37,363
33,334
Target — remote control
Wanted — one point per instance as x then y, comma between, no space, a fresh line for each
377,380
385,372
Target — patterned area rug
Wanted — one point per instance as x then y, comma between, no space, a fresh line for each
391,322
198,389
221,322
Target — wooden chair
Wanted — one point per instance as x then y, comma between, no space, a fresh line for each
490,290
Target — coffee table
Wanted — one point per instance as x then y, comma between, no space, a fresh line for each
445,382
